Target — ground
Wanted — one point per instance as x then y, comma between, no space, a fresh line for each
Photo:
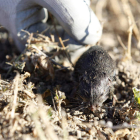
34,89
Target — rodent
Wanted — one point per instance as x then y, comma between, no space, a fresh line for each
94,73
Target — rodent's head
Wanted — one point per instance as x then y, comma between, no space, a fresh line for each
96,90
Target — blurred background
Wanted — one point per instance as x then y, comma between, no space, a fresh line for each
117,18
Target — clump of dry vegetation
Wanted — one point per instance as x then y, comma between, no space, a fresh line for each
34,89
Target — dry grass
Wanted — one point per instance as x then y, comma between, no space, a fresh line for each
33,104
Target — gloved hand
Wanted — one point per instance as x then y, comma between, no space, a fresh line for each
75,16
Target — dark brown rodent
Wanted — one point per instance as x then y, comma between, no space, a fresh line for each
94,72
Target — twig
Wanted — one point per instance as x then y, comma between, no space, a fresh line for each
45,30
33,46
15,95
64,125
49,130
53,101
99,11
61,42
129,36
124,125
115,6
128,12
38,126
120,41
60,39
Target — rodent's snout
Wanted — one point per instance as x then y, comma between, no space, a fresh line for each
94,108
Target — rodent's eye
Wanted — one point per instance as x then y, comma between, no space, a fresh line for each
86,93
102,94
104,74
109,80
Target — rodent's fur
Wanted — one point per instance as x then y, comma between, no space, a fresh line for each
94,72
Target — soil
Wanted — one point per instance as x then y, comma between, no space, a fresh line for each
34,90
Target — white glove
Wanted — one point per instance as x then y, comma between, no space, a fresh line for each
75,16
